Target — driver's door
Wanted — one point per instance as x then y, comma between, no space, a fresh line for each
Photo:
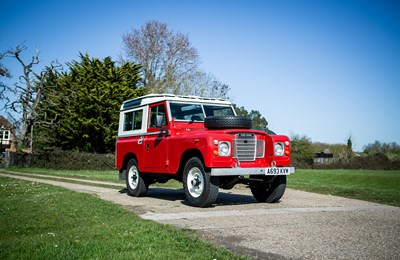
156,141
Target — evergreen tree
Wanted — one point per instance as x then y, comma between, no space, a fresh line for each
85,102
258,120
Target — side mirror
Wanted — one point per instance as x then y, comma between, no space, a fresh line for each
159,121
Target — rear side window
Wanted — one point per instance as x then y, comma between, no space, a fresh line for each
133,120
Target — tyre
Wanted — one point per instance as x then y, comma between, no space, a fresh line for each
201,190
135,183
226,122
270,192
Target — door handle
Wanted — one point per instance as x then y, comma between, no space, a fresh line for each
140,141
147,147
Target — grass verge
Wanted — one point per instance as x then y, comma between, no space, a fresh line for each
370,185
106,175
39,221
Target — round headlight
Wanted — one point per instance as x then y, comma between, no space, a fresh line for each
224,149
279,149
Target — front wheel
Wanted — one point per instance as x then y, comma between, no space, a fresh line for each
270,192
135,183
201,189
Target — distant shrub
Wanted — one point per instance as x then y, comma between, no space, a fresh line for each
302,152
378,161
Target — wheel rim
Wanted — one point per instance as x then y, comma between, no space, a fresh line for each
133,177
195,182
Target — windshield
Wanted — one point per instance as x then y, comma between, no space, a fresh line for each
218,110
195,112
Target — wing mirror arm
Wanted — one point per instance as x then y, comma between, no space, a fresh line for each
159,124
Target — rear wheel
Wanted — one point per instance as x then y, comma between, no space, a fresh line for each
201,189
270,192
135,183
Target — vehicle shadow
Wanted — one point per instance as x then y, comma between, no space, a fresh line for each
224,198
228,198
162,193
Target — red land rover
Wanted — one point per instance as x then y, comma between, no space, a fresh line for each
201,143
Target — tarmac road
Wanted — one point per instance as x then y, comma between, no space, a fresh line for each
303,225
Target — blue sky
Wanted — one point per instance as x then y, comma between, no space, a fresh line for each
324,69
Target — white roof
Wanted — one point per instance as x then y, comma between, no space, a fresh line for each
154,98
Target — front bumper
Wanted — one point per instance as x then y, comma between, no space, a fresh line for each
270,171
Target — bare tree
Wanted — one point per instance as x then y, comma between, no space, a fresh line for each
170,64
3,73
3,70
27,93
207,85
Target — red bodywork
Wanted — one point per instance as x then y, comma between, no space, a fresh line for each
162,150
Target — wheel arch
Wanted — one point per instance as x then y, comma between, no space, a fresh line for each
185,157
127,158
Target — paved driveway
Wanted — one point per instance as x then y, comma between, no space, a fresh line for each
303,225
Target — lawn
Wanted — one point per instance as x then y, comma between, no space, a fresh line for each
370,185
105,175
39,221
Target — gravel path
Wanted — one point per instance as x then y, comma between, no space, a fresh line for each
303,225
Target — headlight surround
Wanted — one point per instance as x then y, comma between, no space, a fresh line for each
224,148
279,149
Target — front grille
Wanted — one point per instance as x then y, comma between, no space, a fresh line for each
245,147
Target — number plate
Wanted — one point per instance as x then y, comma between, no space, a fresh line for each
278,171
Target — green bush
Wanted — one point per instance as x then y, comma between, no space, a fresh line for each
302,152
69,160
378,161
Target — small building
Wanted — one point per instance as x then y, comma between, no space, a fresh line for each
7,134
325,157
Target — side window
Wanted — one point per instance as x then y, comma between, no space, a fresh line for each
133,120
138,120
128,121
157,111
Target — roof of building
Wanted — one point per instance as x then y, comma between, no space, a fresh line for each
4,123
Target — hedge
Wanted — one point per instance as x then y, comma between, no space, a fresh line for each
60,159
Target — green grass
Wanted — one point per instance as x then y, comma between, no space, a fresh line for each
39,221
370,185
109,175
106,175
